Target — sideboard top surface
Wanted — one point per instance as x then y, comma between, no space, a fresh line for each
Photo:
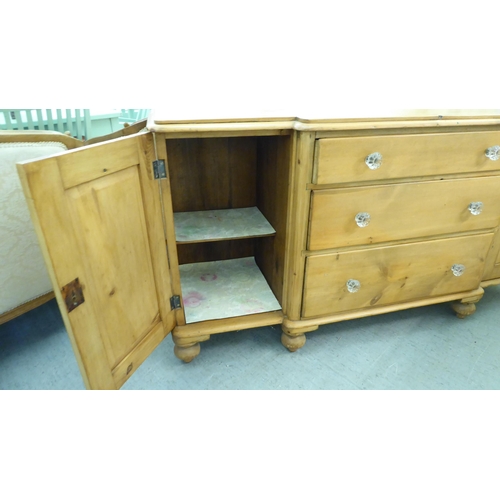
314,119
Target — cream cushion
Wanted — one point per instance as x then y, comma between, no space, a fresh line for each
23,275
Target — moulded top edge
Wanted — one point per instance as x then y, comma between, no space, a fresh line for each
266,119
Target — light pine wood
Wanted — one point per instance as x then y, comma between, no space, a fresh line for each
492,267
343,159
301,326
297,224
273,177
293,343
313,119
492,282
124,132
402,211
393,274
103,232
24,308
93,165
160,152
187,353
101,216
228,325
465,307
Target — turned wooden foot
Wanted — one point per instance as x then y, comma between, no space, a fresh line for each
463,310
465,307
187,354
293,343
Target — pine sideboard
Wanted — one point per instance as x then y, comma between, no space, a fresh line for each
208,224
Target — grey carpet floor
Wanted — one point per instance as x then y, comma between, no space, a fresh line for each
424,348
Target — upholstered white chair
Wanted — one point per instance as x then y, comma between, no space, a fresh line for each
24,281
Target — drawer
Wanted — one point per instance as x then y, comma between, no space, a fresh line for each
401,211
392,274
344,159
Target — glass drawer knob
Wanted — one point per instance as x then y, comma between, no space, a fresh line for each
353,286
493,153
374,161
362,219
457,269
476,207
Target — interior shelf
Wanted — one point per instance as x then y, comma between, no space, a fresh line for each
216,225
225,289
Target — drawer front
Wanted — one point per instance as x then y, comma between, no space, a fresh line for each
392,274
401,211
344,159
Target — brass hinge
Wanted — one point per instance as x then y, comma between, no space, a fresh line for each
72,294
175,302
159,169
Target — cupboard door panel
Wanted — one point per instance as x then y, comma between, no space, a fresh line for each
107,231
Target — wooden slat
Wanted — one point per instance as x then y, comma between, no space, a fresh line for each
60,121
69,123
273,176
19,119
88,124
40,119
78,124
50,120
29,119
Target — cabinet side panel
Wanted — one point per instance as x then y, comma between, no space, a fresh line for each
273,178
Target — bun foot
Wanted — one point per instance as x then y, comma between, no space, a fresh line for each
187,354
293,343
467,306
463,310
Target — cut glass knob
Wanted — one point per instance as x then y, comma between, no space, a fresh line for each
476,207
457,269
362,219
493,153
353,286
374,161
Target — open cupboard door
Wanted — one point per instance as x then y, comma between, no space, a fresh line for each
98,215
